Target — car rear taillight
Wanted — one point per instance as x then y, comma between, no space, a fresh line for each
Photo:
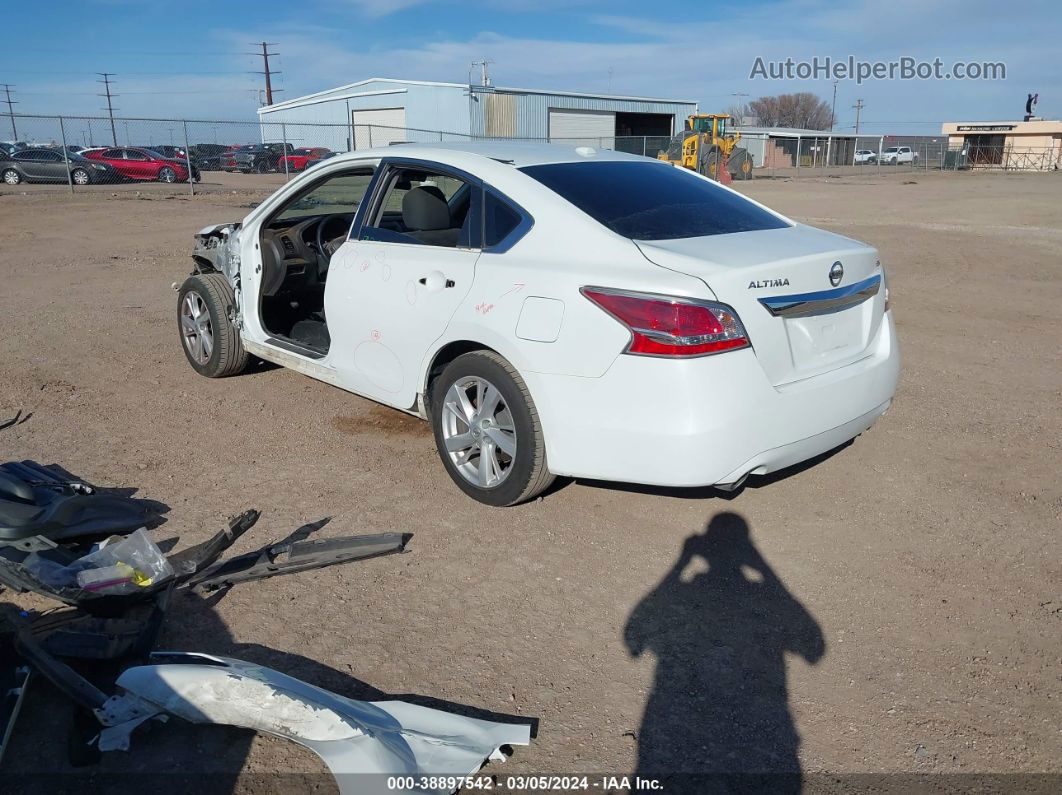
885,288
663,325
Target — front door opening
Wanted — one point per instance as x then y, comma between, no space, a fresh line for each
984,150
297,245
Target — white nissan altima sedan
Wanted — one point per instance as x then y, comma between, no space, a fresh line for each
554,311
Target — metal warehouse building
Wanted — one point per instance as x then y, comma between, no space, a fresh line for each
379,111
782,147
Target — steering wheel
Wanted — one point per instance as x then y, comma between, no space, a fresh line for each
325,248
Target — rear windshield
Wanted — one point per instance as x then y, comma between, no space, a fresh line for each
650,201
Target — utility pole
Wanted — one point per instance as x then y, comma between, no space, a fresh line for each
265,53
10,112
858,107
110,109
833,107
484,79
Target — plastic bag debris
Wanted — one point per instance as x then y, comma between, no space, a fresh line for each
117,566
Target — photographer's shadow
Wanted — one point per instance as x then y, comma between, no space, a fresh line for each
719,625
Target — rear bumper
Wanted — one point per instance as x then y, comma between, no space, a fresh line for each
706,421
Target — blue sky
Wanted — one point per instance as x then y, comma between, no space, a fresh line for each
192,59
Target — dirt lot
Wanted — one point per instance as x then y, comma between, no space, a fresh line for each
895,607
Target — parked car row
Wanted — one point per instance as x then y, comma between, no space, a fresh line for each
89,166
264,158
892,156
24,162
49,165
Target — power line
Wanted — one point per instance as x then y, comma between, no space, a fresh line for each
10,110
110,110
265,53
128,93
196,53
172,73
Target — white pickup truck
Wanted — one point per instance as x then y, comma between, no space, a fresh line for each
898,154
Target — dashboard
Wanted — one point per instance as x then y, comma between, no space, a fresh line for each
301,248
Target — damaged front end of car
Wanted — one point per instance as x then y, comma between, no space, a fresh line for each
217,249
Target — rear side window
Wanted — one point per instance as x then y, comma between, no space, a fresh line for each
499,219
650,201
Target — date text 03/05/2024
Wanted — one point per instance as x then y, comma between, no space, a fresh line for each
529,783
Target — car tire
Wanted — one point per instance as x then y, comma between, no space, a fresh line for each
210,340
526,473
261,167
167,174
12,177
80,177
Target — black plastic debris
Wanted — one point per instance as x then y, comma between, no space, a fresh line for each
14,677
39,501
49,523
294,554
15,420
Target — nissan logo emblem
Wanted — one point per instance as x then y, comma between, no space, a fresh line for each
836,273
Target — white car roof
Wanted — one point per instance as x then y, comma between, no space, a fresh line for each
516,153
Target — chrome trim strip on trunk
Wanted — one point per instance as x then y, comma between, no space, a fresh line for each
804,304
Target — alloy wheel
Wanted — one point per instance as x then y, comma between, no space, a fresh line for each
478,432
196,330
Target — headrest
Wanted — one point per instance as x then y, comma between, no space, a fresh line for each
424,209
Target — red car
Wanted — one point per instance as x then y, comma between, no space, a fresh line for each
227,159
297,160
143,164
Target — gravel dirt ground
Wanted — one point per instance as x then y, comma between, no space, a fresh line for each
895,607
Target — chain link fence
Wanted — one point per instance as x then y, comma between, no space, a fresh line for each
88,152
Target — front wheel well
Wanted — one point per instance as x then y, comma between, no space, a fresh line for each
203,265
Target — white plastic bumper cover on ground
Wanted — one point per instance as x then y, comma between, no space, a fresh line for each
370,747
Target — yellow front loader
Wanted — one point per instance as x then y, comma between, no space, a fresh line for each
706,145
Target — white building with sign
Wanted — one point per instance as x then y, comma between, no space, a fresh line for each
1014,145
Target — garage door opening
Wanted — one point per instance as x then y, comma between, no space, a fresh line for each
644,124
378,126
643,133
595,128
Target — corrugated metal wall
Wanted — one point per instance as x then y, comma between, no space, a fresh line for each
427,107
531,111
481,111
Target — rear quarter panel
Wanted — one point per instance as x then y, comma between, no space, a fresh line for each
564,251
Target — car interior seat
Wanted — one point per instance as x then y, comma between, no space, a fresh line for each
426,215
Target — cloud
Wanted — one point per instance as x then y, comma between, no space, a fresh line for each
382,8
710,60
707,58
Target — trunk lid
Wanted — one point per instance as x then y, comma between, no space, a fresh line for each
779,282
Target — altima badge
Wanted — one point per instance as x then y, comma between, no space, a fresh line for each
836,273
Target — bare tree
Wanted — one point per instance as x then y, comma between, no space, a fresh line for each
740,112
804,110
